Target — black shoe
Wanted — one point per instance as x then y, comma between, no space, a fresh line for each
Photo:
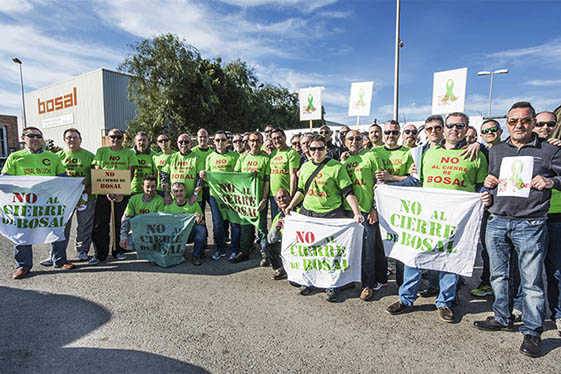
331,295
429,292
491,324
197,261
531,346
240,257
397,308
307,291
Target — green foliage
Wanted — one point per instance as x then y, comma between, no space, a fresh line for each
179,91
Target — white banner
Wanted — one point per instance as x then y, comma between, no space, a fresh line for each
34,210
360,99
321,252
310,103
449,91
430,228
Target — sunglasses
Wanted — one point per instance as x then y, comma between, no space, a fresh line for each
324,132
253,140
392,132
296,143
548,124
220,140
343,133
183,141
414,132
116,136
435,128
318,149
490,129
163,140
33,136
355,138
237,141
268,131
525,121
459,126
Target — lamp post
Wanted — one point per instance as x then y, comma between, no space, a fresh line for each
491,73
18,61
398,44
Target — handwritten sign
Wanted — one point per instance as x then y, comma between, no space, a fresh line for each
515,176
111,181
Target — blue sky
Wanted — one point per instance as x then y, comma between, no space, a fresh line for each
300,43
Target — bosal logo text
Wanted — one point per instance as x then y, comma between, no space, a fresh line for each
57,103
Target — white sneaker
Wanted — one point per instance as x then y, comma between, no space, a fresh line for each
83,256
121,256
94,261
47,262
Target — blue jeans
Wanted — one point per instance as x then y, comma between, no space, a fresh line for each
198,236
412,280
274,207
369,237
527,240
553,269
217,226
23,254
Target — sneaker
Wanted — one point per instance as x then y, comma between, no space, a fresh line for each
120,256
558,325
216,256
331,295
279,274
378,286
48,262
429,292
307,291
516,315
65,266
531,346
482,290
223,254
397,308
83,256
446,314
94,261
232,256
264,263
366,294
491,324
197,261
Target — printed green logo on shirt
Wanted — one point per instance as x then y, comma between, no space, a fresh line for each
159,161
281,161
396,161
250,163
361,169
107,159
77,164
183,168
23,162
137,206
183,209
145,167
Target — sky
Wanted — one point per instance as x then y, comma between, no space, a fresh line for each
302,43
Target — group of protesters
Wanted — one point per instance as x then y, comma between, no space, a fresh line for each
318,178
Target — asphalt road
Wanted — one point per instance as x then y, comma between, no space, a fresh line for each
132,317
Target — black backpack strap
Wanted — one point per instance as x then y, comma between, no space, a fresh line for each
313,175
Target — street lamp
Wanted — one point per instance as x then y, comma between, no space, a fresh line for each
398,44
18,61
491,73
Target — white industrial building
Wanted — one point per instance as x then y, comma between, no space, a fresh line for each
93,103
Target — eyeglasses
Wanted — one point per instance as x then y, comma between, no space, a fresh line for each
392,132
163,140
548,124
490,129
414,132
459,126
237,141
220,140
317,149
324,132
355,138
295,143
116,136
268,131
435,128
33,136
183,141
525,121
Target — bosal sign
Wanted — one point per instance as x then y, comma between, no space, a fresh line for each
57,103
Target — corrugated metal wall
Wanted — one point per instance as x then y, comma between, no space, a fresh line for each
118,109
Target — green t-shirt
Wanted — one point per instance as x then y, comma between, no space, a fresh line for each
324,194
280,164
396,161
137,206
186,208
250,163
361,169
159,161
445,168
107,159
221,162
201,156
183,168
78,164
555,202
145,167
275,220
23,162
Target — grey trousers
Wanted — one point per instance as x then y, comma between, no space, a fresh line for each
84,228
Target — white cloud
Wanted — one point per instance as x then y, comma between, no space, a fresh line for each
544,82
11,102
14,7
305,5
547,52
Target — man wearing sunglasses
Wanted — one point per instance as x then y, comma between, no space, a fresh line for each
295,144
284,164
491,132
394,159
410,136
221,160
517,227
444,167
34,161
342,134
237,142
145,167
114,157
333,151
202,150
159,160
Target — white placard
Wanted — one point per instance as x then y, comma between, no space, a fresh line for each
360,99
449,91
515,176
310,103
64,120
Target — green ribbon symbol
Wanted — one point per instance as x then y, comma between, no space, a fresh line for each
449,91
311,108
360,102
516,169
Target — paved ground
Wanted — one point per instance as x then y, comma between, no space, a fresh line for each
132,317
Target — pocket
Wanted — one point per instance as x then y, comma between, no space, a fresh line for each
535,222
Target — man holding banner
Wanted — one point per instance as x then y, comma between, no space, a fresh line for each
443,167
159,160
144,155
114,157
284,164
34,161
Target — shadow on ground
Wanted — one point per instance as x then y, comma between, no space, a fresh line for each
35,327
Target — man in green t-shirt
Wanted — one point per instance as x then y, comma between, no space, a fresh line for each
144,156
114,157
142,203
375,136
284,164
181,205
202,150
78,163
255,161
159,160
444,167
410,135
221,160
394,158
34,161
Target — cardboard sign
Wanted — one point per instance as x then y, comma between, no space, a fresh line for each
111,181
